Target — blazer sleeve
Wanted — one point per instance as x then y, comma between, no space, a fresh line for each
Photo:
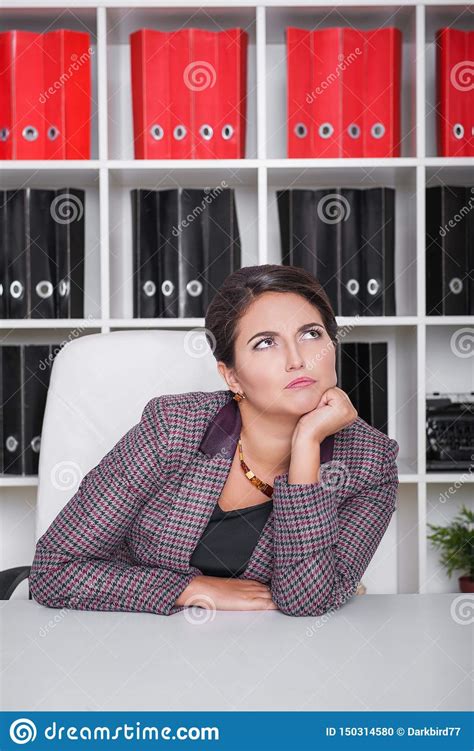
74,564
321,550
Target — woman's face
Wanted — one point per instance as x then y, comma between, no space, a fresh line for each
265,363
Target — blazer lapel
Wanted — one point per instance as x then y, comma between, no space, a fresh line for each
200,490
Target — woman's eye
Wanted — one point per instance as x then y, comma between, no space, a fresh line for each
270,339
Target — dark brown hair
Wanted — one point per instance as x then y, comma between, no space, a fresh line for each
243,286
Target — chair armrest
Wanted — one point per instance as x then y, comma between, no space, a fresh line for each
10,578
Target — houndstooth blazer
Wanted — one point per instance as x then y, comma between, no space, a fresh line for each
125,539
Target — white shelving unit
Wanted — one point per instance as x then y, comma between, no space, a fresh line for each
420,356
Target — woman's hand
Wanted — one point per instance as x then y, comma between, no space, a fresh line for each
217,593
334,412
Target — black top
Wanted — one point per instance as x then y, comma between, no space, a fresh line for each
229,539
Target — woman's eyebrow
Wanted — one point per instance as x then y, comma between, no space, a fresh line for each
275,333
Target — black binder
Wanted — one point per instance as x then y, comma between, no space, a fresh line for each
307,243
346,238
68,212
349,252
4,286
362,373
185,243
449,253
25,376
145,254
378,251
222,249
11,409
42,244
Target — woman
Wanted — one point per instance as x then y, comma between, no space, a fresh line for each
267,495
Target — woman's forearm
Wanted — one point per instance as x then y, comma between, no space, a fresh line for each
305,460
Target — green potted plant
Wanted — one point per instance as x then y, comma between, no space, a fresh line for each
457,545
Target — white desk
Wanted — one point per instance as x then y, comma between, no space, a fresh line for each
379,652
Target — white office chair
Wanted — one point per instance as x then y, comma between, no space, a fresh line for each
99,386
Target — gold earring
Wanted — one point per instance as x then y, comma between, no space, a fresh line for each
238,397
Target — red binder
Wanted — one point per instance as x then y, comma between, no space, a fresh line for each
189,93
353,99
66,57
180,72
150,93
22,126
300,95
205,79
232,94
382,64
455,92
327,85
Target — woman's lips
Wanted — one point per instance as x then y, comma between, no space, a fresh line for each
300,384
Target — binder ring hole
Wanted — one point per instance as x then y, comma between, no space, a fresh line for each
157,132
194,287
301,131
227,132
458,130
149,288
353,130
373,286
11,443
455,285
63,287
30,133
377,130
1,289
179,132
167,287
35,444
44,289
53,133
326,130
206,132
16,289
352,286
4,133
